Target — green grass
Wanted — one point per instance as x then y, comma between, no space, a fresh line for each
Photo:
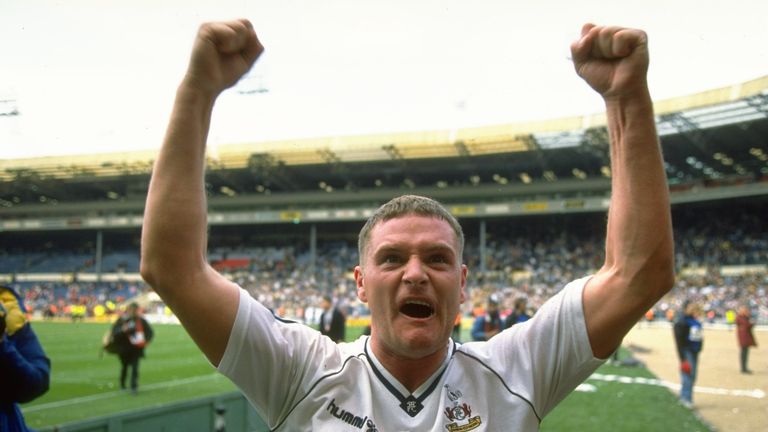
615,406
85,385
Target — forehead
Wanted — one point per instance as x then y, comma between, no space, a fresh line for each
413,229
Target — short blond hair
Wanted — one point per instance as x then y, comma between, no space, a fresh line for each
407,205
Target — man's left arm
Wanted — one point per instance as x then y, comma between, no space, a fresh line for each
639,261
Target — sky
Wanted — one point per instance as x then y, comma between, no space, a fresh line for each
99,76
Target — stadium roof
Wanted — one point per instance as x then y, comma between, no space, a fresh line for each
713,136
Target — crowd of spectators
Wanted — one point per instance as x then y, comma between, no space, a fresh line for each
76,300
525,257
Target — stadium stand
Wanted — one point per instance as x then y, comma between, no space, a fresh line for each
284,215
721,258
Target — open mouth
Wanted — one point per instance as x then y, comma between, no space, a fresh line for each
417,309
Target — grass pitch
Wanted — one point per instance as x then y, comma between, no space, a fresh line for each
84,384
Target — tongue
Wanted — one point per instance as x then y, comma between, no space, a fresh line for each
416,310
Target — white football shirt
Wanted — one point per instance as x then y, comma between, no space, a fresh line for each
299,380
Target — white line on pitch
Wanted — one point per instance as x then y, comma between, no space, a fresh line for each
100,396
756,393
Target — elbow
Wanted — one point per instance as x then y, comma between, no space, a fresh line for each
157,265
147,271
664,283
661,276
666,270
668,280
649,278
165,273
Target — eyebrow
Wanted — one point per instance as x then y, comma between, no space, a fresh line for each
432,248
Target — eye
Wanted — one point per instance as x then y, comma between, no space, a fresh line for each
438,259
391,259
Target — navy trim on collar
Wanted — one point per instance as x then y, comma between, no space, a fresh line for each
409,404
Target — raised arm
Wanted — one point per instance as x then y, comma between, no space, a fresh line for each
639,256
174,236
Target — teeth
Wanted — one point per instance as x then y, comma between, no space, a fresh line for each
417,302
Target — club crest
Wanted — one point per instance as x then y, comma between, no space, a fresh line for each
459,413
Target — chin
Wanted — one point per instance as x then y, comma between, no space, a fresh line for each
424,343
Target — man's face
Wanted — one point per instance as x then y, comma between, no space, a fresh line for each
413,281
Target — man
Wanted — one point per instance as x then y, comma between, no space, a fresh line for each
488,324
519,313
689,340
332,321
25,370
746,338
131,334
408,374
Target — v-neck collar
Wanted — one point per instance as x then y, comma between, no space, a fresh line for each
410,403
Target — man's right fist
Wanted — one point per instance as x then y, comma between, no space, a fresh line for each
223,52
685,367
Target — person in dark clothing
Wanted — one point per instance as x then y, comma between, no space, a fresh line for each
131,334
689,340
519,313
25,370
488,324
746,338
332,321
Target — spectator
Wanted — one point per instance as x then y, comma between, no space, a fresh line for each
332,321
24,368
519,313
489,323
131,333
746,338
689,340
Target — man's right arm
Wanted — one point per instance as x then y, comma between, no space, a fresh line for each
174,235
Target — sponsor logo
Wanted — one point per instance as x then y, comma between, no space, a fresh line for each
350,418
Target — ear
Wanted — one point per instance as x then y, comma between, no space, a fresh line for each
359,281
463,293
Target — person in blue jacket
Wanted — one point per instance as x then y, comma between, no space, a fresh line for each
689,340
24,368
490,323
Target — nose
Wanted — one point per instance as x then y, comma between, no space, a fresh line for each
414,272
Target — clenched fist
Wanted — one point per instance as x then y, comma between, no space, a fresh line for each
222,53
612,60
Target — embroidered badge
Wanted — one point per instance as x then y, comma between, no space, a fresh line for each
458,412
411,406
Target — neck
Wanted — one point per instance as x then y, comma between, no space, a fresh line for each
410,372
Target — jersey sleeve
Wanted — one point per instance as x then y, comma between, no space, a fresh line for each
274,361
554,344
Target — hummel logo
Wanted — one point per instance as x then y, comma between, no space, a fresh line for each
349,418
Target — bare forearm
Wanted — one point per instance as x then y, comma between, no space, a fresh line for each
639,237
175,222
639,266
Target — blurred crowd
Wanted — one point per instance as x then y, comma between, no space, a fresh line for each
76,300
721,257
